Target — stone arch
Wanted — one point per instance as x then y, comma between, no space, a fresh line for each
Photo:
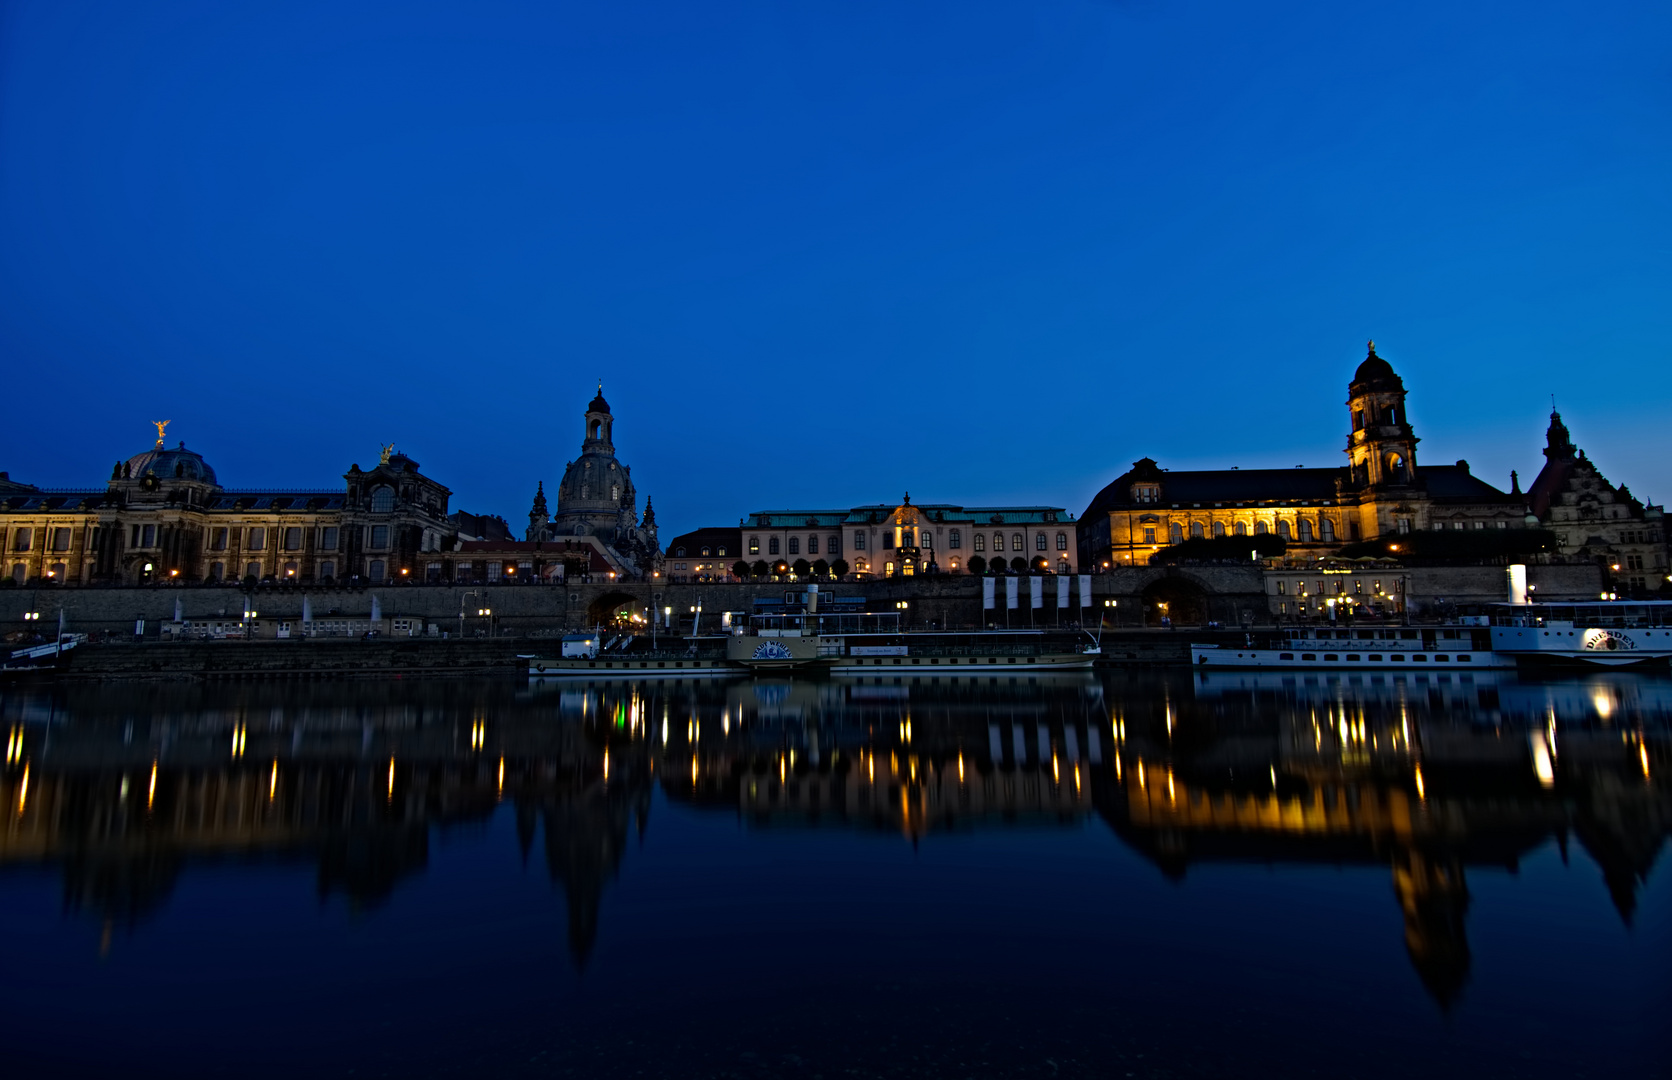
1175,597
604,610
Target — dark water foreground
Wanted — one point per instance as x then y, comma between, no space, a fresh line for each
1056,877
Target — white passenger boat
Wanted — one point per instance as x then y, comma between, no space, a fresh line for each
1384,648
1600,633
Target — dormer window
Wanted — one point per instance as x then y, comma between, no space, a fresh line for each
1146,493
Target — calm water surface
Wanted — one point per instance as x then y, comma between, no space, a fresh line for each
1148,875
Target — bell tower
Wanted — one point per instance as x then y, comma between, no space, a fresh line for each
598,424
1382,448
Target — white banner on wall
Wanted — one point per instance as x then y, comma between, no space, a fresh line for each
1036,590
1062,590
1010,584
987,593
1085,590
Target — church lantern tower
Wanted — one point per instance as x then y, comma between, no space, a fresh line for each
1382,448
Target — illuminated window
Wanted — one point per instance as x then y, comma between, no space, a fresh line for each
954,539
1175,533
1016,543
754,545
1149,534
981,541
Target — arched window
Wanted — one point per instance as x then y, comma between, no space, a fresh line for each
1062,566
812,545
1218,529
1195,530
981,541
597,428
1283,529
754,545
1062,541
926,539
833,545
795,545
1305,530
1175,533
374,569
615,492
1260,528
254,569
998,541
1016,542
772,545
679,553
1326,529
954,539
1040,543
383,498
1241,528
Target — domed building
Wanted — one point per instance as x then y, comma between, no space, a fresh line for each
596,498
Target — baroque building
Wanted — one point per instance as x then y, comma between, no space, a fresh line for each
1592,517
1381,490
596,498
904,539
164,516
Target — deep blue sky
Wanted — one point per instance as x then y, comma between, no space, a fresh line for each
821,253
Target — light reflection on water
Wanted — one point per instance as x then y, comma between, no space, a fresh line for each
832,842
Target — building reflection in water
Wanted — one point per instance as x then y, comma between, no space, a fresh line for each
122,788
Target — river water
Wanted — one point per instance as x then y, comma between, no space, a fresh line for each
1148,874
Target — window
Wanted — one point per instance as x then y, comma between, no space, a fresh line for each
380,537
1195,530
1017,543
1218,529
61,542
148,536
383,500
1145,493
772,545
833,544
954,539
887,540
257,541
327,569
812,545
927,539
754,545
795,545
1282,587
1305,530
1283,529
1326,530
1062,541
374,569
1260,528
217,571
679,553
859,541
293,538
1149,534
720,551
1040,543
981,541
217,540
1062,566
1175,533
615,492
1403,525
252,569
1241,528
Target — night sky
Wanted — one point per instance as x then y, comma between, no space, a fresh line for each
825,252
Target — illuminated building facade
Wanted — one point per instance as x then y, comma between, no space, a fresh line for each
1380,491
1592,517
164,516
704,555
881,540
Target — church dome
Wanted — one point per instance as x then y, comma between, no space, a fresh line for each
176,464
1376,373
598,403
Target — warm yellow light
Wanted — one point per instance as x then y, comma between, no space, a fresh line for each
606,763
693,770
1643,756
272,781
960,767
501,792
1603,703
23,790
391,778
151,789
1056,770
